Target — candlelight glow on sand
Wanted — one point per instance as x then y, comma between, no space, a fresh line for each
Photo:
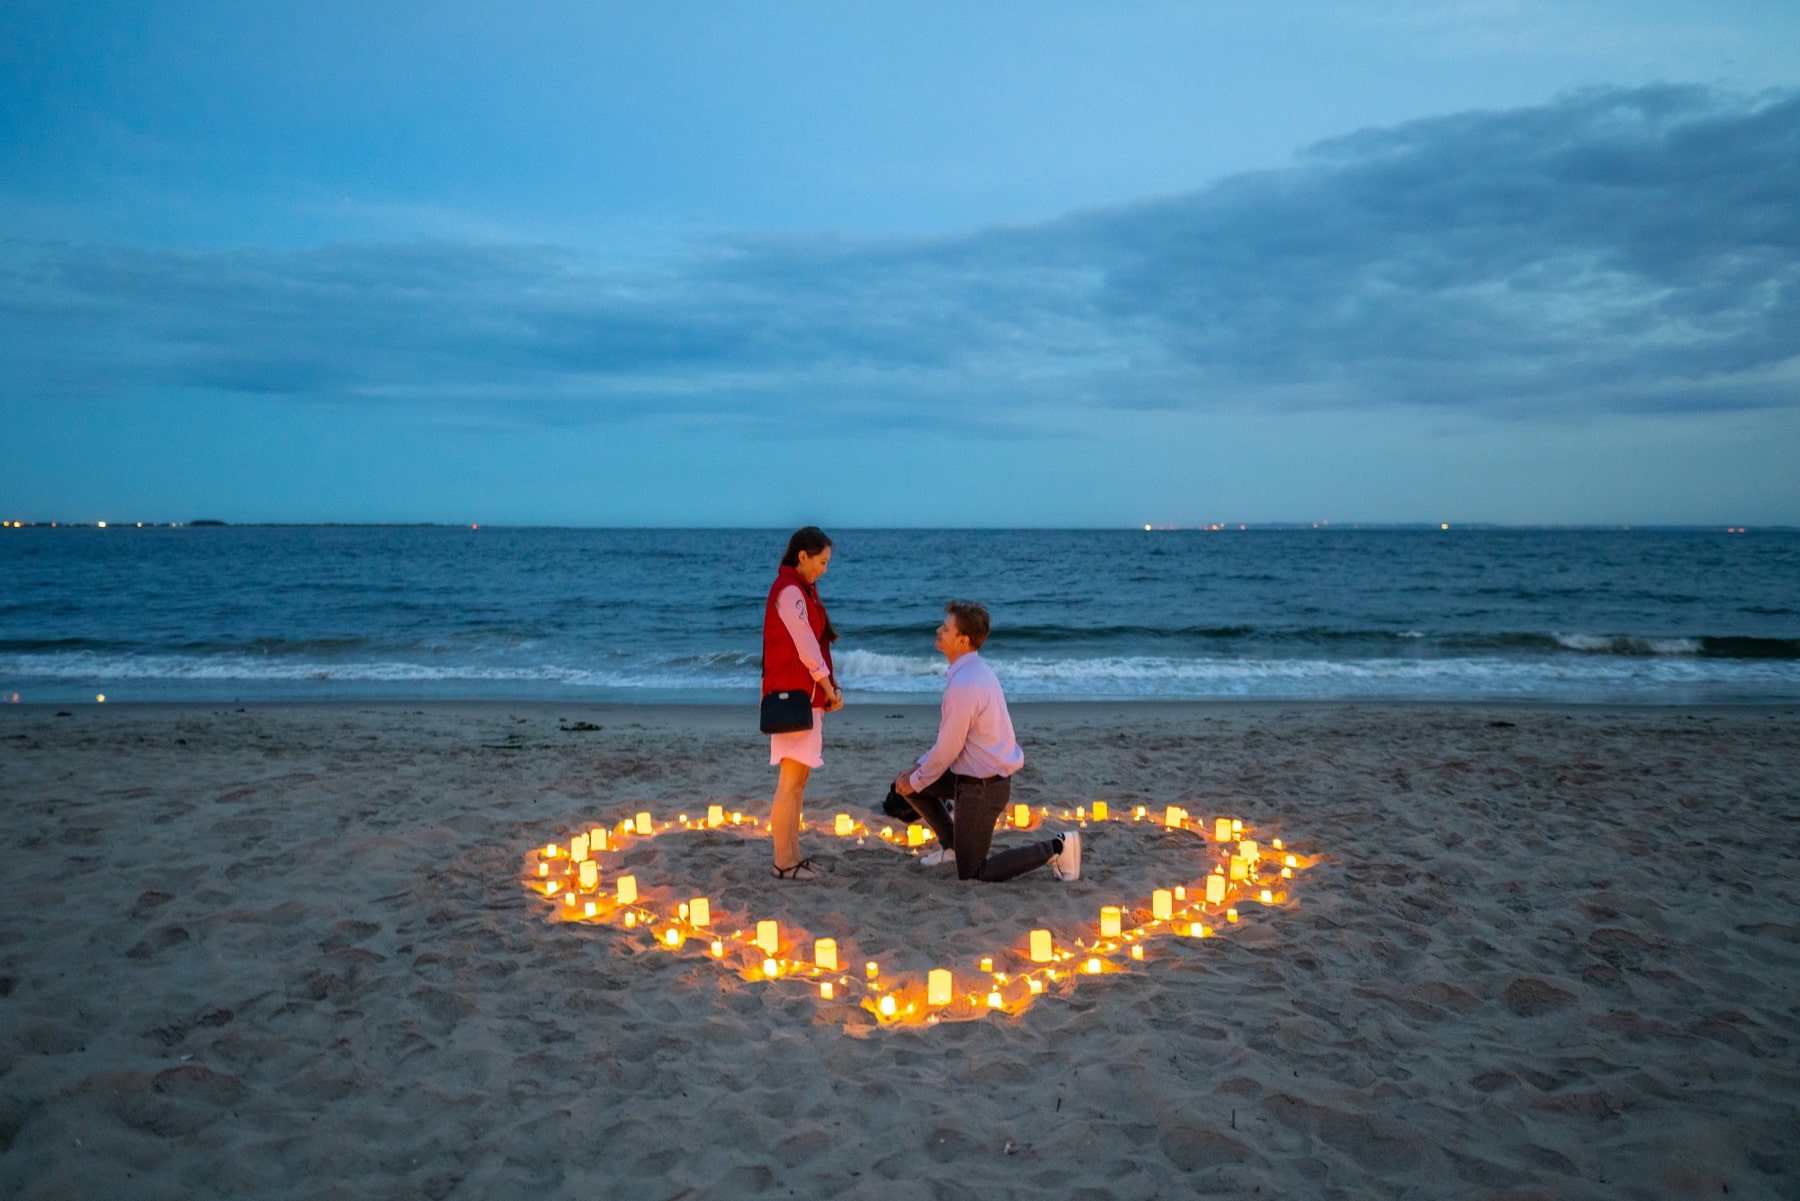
1232,871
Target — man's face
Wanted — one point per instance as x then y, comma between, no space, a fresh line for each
950,640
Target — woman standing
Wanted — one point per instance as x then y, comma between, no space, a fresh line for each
797,640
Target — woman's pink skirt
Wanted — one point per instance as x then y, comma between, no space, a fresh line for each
802,746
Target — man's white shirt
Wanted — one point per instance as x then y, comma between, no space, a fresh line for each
975,732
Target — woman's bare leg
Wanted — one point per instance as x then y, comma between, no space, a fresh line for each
784,814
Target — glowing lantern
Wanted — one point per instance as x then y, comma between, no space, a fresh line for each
1215,889
1222,830
578,847
1231,915
1162,904
995,1000
550,888
673,937
590,874
886,1006
825,990
569,899
718,948
596,839
1137,815
543,869
1240,870
937,987
1109,921
627,889
845,824
1277,844
1268,898
1290,861
715,816
550,851
700,911
1198,930
985,963
825,953
1237,826
642,823
1040,946
1093,967
771,969
1100,811
1137,950
1035,985
915,836
1180,893
1287,873
1174,817
1021,816
768,936
630,919
1249,850
590,909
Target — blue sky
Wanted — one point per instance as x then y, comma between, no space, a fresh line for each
884,264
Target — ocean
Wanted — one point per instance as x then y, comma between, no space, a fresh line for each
346,612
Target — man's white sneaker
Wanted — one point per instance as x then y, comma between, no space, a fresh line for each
941,855
1067,866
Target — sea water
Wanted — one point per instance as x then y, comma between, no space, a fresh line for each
257,613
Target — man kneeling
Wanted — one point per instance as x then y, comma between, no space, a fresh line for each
972,763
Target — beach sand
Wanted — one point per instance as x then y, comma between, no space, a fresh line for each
285,951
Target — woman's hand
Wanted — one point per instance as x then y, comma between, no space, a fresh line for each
834,697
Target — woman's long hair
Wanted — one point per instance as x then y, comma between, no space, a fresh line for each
813,541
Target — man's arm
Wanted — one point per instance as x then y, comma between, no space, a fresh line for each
953,730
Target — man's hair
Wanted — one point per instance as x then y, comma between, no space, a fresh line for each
810,539
971,621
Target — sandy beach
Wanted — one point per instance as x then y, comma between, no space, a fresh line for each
285,951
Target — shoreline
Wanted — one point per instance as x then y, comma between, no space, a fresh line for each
283,949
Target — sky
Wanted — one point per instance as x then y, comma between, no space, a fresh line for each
961,264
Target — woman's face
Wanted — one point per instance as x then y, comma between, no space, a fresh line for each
811,567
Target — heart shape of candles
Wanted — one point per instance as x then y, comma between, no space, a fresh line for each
583,881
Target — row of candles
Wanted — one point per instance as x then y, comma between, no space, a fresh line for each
571,877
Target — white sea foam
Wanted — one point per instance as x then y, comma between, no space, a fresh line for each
1607,644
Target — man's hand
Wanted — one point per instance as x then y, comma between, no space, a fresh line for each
903,784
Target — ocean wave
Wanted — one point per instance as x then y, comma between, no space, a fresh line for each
1611,644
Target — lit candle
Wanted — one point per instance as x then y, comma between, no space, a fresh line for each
672,936
1093,967
1237,826
1162,904
642,823
590,874
937,986
995,1000
715,816
1099,811
700,911
630,919
887,1006
1277,844
1222,830
1292,862
825,990
1137,950
771,969
986,963
1287,873
1215,889
845,824
872,968
1268,898
1040,946
1109,921
825,953
1021,816
627,886
1231,915
1198,930
718,948
768,936
1035,985
1138,813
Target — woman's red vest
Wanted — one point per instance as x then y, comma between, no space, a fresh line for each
782,669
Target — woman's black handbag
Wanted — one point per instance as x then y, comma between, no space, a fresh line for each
786,712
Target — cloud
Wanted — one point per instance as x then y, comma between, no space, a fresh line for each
1612,251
